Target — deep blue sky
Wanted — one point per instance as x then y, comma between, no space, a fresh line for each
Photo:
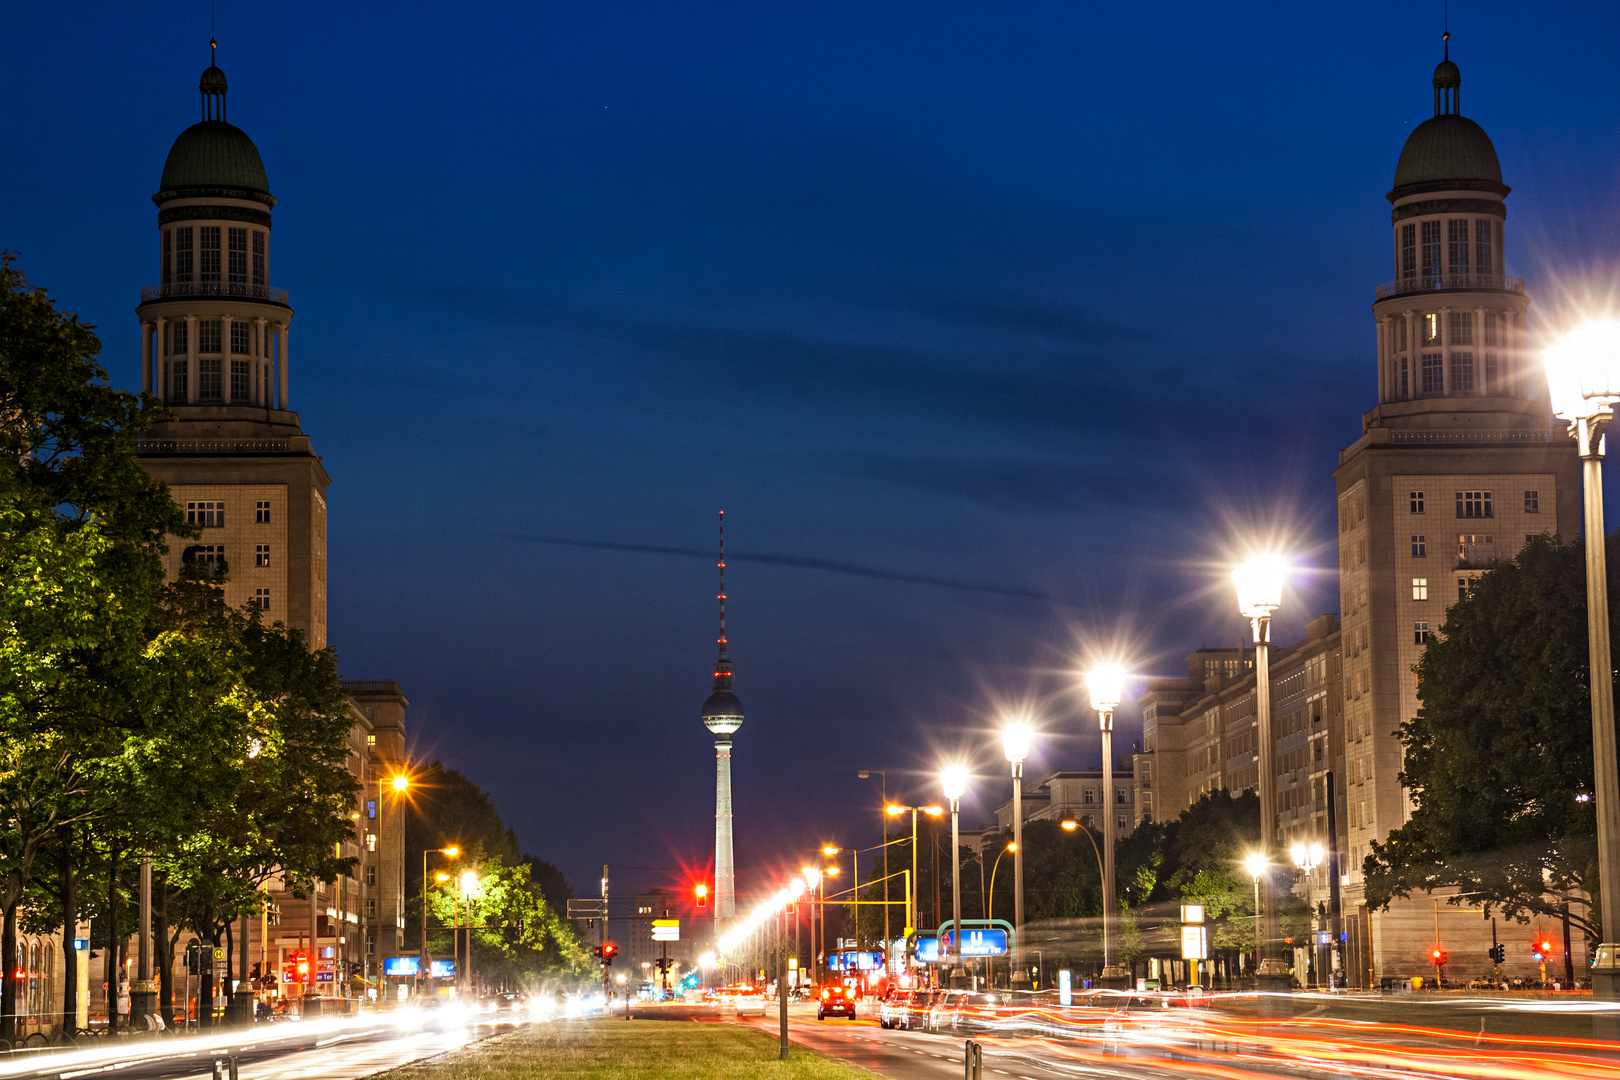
1058,298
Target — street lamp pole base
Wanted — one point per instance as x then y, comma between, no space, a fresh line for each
1114,977
958,978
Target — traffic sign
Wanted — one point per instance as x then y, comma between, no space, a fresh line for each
978,943
666,929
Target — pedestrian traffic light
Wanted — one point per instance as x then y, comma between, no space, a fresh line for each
702,896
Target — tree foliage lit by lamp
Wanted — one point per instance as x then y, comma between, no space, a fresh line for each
1583,382
1259,586
1107,686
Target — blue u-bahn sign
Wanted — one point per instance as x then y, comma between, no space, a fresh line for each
977,943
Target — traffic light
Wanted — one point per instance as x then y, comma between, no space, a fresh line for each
1438,956
608,950
792,908
1542,948
1498,954
702,896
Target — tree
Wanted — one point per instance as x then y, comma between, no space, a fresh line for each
517,938
1502,746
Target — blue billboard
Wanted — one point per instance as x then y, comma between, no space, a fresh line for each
980,942
442,969
401,967
928,950
855,961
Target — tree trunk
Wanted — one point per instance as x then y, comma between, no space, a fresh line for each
8,963
112,943
163,953
205,979
68,884
230,966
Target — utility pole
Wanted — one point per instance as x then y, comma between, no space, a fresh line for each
607,988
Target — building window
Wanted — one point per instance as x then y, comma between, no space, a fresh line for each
1431,249
1408,250
371,740
1461,326
1430,329
1457,246
371,871
261,513
210,515
241,388
1420,588
1491,333
242,338
1119,795
1490,373
1464,587
258,257
1406,384
371,804
168,255
262,598
1484,260
208,332
1417,502
261,554
182,254
212,555
209,386
1419,547
1121,822
1420,633
371,905
208,268
1089,795
1462,373
1532,502
1433,374
236,267
1474,504
177,382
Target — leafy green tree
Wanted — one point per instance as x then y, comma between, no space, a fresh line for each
517,938
1502,746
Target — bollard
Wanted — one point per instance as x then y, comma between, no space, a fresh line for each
972,1060
226,1068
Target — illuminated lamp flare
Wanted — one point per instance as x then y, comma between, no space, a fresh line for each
1015,740
1259,585
954,782
1107,686
401,782
1583,370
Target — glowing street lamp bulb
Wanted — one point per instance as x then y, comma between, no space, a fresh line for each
1255,864
1583,370
1107,686
812,877
469,883
452,851
1314,853
829,851
933,811
441,877
954,781
1015,740
1259,585
401,782
1298,852
832,871
894,811
1069,824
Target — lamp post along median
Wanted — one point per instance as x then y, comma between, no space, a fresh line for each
1308,857
1107,686
1015,740
954,781
1583,382
1259,584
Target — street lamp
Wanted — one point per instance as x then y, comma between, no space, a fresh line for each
1015,740
954,782
453,852
1107,686
895,810
883,838
1308,857
1256,865
1583,382
1259,586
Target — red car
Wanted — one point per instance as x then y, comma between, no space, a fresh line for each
835,999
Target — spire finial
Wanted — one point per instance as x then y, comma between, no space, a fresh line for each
722,585
1445,43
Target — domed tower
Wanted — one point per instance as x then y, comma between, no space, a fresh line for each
723,715
1457,466
214,337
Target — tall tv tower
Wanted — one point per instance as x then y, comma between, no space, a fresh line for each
723,714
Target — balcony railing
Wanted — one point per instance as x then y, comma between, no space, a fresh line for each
1478,435
214,288
210,446
1453,282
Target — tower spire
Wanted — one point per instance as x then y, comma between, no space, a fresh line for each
722,585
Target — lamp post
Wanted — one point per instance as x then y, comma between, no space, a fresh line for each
469,889
1308,857
812,881
1015,739
1107,686
883,838
423,971
1259,585
895,810
954,782
1256,865
1583,382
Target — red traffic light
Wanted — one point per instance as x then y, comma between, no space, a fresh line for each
1439,956
608,950
702,892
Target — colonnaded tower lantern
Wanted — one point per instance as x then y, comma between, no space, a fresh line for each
723,715
1458,465
214,337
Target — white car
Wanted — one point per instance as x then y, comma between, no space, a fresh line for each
751,1003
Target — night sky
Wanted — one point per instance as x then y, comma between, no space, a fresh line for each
994,329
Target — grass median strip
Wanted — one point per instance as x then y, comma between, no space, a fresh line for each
616,1049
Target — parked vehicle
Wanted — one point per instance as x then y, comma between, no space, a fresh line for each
835,1000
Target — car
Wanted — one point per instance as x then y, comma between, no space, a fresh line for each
970,1012
894,1010
835,999
751,1001
509,1002
920,1014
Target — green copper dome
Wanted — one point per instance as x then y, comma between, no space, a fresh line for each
1448,147
214,155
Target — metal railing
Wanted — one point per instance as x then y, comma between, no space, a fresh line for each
214,288
211,446
1483,435
1451,282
